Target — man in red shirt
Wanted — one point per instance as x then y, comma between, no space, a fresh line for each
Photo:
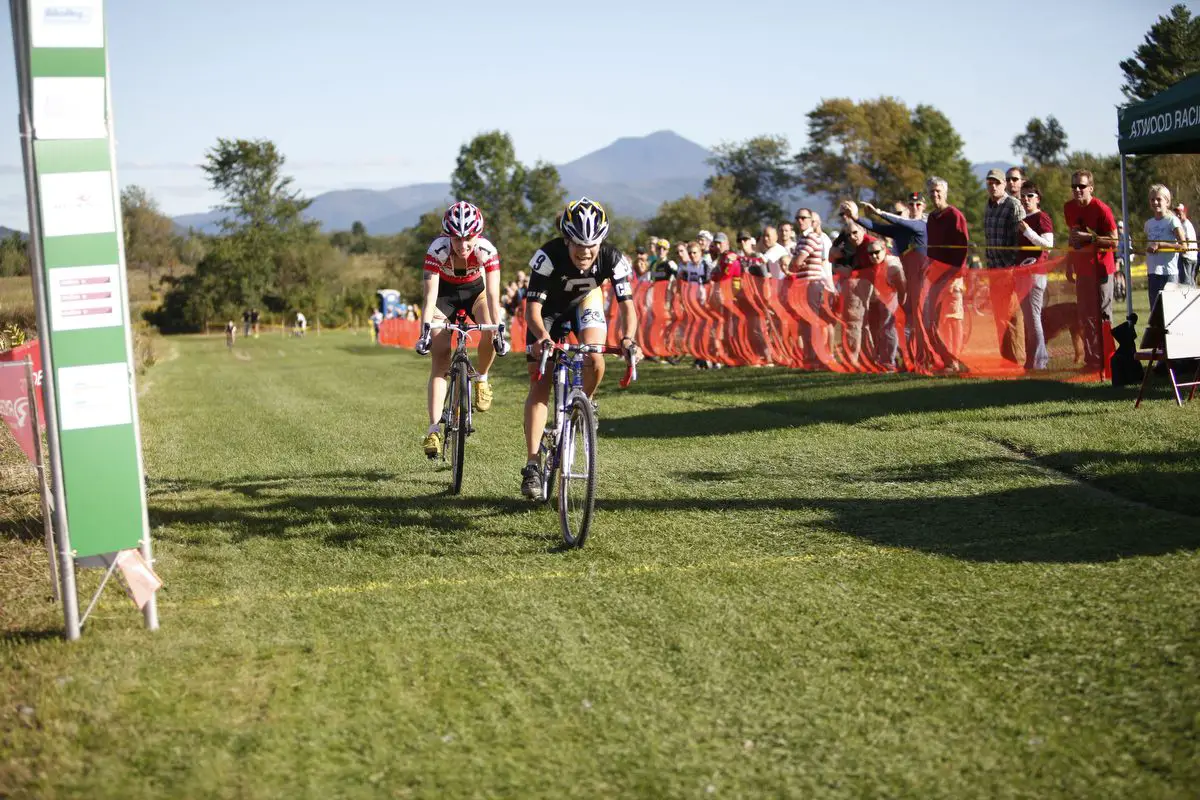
948,238
727,265
1090,263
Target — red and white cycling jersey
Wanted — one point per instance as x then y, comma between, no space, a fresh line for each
482,258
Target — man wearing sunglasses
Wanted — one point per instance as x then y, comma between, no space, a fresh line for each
890,286
1090,264
1014,180
1001,220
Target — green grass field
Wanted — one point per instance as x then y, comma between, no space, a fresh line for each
799,585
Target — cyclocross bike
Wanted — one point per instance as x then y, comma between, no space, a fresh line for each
456,413
568,448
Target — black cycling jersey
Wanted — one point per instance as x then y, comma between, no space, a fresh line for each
663,270
557,284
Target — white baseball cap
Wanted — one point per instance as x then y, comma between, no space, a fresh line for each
704,235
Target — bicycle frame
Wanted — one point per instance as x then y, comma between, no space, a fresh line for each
568,374
459,361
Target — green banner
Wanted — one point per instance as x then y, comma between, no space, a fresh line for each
1168,122
84,276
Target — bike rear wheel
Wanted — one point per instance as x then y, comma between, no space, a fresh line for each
457,429
577,476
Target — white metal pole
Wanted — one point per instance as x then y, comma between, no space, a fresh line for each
43,487
20,29
1126,251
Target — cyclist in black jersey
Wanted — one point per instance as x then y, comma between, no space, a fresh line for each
564,296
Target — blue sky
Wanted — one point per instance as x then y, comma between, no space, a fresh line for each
379,93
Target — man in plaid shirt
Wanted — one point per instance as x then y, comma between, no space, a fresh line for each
1001,228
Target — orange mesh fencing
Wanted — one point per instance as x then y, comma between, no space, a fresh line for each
925,317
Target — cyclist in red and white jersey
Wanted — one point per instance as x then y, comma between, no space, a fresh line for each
462,271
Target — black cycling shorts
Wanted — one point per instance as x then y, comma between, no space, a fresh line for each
454,296
573,320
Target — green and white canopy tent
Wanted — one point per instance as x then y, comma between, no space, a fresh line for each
1167,123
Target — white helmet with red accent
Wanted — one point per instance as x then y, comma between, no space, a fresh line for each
463,220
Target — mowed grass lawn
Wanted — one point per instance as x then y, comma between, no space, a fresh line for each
797,585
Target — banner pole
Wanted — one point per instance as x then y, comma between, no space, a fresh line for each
1125,249
66,571
43,489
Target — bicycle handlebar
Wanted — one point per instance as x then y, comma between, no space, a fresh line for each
604,349
437,326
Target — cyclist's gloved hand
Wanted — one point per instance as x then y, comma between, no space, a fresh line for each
422,346
499,343
632,352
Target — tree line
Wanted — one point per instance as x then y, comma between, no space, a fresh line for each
268,255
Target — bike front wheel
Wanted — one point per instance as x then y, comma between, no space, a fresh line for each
577,472
460,410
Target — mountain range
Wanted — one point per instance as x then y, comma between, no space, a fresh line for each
633,176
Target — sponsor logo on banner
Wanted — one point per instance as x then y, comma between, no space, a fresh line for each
68,15
76,23
31,350
14,408
1166,122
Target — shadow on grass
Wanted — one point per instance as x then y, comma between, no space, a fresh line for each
1014,525
1084,519
32,636
286,507
877,397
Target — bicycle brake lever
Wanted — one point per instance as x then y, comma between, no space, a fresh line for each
542,365
630,376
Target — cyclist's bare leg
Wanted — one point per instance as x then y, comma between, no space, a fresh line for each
487,353
536,409
439,352
593,363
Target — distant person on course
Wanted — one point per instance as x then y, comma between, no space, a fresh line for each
462,271
565,296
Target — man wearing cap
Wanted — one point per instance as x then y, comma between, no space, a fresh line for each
1002,229
726,264
1187,263
706,245
751,260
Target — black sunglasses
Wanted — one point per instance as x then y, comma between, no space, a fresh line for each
875,251
1080,185
1013,178
800,218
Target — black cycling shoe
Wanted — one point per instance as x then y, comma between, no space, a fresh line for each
531,482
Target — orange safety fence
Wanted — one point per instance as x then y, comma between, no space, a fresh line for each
924,317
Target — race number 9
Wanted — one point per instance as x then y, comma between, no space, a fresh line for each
541,264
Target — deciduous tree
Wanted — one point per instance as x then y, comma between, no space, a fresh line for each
760,173
1042,143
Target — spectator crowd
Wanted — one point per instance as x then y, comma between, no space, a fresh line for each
913,263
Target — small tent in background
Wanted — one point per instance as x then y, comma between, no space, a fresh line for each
389,303
1167,123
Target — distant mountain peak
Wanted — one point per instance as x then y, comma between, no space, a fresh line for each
634,175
